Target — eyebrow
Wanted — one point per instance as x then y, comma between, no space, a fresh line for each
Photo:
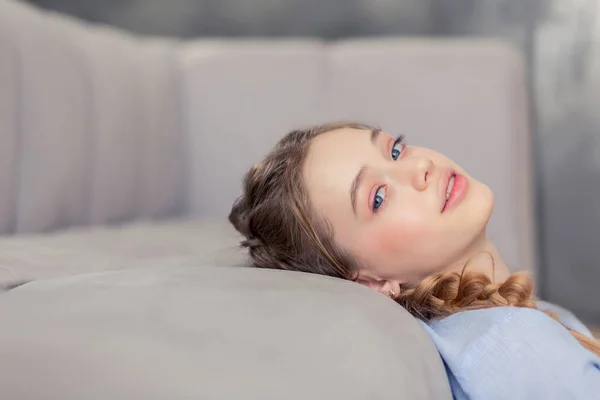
374,135
361,173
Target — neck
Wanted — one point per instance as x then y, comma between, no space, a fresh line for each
483,256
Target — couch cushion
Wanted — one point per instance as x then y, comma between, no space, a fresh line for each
212,333
238,99
78,251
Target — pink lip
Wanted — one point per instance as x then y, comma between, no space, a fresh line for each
458,190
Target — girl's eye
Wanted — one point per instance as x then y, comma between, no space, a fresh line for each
398,147
379,198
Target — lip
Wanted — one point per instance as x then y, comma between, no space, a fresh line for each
444,181
458,190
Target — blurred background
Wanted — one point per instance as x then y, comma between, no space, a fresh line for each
560,41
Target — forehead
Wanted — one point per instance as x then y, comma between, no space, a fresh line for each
333,160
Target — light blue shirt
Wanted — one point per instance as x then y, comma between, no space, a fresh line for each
516,353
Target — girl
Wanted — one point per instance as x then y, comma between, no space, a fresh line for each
351,201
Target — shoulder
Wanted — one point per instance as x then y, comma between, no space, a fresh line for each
514,319
520,328
566,317
508,352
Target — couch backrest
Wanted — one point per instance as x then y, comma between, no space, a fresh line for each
465,98
89,124
98,126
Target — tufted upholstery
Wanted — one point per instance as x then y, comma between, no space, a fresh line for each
99,126
89,128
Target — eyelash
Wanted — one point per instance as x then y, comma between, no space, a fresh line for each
399,140
375,208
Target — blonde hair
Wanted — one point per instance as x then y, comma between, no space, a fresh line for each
282,231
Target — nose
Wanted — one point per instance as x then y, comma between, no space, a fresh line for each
423,172
416,171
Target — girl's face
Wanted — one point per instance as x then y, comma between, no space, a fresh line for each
404,212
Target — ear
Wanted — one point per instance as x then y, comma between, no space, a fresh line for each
390,288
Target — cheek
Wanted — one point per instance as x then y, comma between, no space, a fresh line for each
403,235
401,239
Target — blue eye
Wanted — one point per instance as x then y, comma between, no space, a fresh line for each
398,147
379,198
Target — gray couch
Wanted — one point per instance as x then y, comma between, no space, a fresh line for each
119,159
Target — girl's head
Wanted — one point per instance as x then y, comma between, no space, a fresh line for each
352,201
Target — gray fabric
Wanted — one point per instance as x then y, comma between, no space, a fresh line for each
90,124
227,128
212,333
9,98
78,251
